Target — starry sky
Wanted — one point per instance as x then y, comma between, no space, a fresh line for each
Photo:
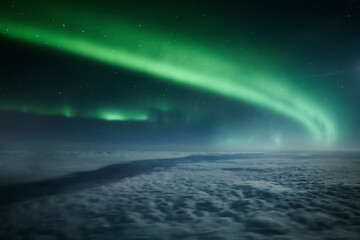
209,75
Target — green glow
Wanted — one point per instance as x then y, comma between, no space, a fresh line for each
277,139
66,111
181,63
117,115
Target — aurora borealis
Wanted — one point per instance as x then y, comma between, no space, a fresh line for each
244,76
180,119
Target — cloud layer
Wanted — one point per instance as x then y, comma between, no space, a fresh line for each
202,197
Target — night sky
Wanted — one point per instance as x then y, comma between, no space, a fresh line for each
210,75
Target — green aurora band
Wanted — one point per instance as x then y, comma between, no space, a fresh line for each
166,59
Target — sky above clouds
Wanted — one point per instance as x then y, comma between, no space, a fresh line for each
180,74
